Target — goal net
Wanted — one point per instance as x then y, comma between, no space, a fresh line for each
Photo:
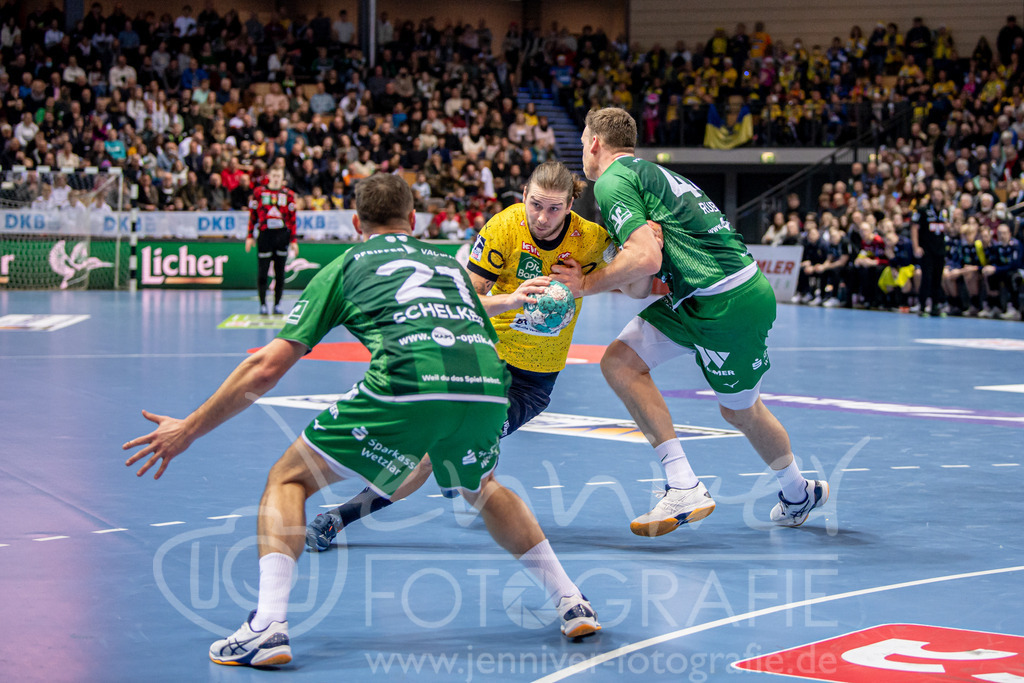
63,229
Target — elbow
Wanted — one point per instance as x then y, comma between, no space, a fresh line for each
263,374
263,380
640,289
651,263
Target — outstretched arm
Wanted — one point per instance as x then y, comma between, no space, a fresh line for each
253,377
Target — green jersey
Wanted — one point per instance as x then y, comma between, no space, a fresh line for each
415,310
701,248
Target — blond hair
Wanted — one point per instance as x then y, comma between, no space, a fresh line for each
615,127
554,176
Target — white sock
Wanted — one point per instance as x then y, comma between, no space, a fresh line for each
275,585
677,468
540,561
793,484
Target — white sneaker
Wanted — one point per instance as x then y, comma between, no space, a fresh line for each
246,647
988,312
831,302
679,506
816,301
795,299
578,618
1010,313
794,514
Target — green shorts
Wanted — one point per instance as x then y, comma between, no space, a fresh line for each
382,442
727,332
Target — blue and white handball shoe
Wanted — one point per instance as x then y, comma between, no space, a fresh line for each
794,514
578,618
246,647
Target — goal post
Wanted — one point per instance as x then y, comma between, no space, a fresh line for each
63,228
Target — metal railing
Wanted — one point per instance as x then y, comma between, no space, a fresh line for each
895,123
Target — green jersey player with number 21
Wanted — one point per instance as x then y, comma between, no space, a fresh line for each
435,383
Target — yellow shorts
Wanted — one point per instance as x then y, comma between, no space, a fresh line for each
895,279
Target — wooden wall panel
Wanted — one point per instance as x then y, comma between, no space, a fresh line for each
816,22
664,21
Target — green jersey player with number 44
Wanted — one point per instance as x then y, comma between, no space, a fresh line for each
435,383
719,309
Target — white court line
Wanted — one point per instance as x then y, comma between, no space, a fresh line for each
550,486
751,474
1012,388
658,479
109,531
627,649
4,545
953,467
847,348
166,523
50,538
856,469
81,356
224,517
434,495
905,467
1006,464
601,483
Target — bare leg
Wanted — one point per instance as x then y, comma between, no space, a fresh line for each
515,529
949,286
630,378
415,480
972,280
765,433
508,519
282,517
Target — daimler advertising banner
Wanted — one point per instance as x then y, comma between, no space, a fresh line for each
781,265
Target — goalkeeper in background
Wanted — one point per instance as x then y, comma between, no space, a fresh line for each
511,260
272,221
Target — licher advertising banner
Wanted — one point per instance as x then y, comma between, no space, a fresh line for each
223,265
226,265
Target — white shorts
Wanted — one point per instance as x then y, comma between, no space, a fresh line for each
654,348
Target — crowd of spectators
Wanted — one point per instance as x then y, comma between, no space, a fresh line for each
797,94
195,109
859,243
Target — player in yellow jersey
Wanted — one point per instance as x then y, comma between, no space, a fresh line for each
511,260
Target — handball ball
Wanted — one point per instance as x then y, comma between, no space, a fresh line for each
554,309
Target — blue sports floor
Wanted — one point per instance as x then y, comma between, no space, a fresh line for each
914,570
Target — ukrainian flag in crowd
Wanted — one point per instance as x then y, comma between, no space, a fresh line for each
718,134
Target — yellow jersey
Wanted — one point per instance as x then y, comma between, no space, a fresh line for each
506,252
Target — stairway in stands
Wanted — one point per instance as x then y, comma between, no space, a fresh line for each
567,135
